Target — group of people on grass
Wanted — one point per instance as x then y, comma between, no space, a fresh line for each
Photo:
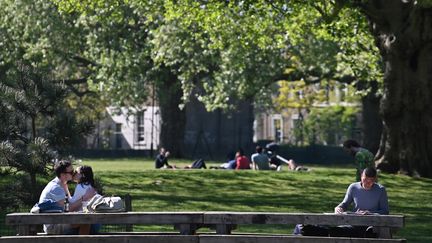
366,195
260,160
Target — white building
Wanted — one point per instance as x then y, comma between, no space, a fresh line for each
120,130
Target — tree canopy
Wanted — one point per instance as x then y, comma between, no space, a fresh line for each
223,51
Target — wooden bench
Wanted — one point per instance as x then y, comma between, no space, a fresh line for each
203,238
188,222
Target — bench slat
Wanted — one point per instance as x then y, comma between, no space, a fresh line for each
396,221
105,218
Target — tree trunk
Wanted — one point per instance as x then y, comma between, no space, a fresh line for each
403,32
371,119
33,190
173,118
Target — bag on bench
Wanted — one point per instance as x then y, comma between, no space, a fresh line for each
101,204
311,230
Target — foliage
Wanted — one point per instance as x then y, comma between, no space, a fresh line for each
35,34
32,157
297,94
165,37
26,99
326,115
247,59
136,45
310,47
41,87
329,125
222,50
37,122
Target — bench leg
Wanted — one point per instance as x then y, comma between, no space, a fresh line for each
23,230
224,229
383,232
186,229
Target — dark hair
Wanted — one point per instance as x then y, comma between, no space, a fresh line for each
370,172
61,166
86,175
351,143
258,149
240,151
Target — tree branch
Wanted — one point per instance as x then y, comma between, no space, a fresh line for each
84,61
16,135
338,5
312,79
71,81
80,93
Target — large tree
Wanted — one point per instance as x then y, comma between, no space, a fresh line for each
402,31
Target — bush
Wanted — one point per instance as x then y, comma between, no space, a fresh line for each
328,126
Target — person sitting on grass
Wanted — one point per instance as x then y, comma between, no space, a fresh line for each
242,162
229,165
197,164
292,165
260,161
161,161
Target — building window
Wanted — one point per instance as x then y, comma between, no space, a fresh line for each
118,135
277,125
140,127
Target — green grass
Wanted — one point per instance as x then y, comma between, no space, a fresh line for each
319,190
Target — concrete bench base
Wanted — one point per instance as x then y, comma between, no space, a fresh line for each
203,238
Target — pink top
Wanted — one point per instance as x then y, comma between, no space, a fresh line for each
242,163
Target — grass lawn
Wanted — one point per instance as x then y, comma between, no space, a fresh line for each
319,190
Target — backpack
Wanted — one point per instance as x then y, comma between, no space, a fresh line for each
101,204
198,164
314,230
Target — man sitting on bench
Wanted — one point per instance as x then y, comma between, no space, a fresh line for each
368,197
